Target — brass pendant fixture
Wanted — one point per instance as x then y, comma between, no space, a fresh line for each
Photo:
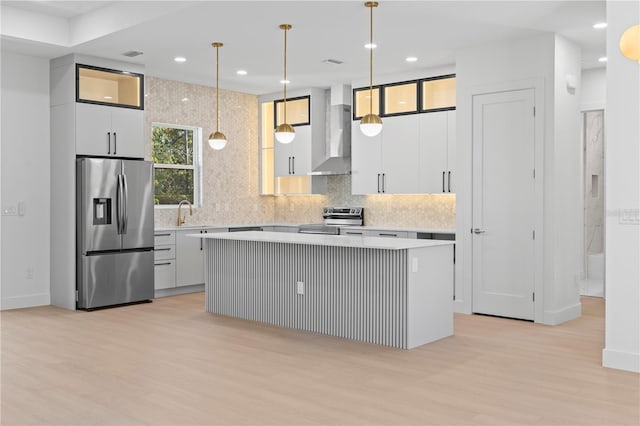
285,132
217,139
371,124
630,43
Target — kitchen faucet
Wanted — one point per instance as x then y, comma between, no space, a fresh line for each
181,220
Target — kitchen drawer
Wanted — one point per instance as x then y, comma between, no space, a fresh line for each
162,238
391,234
165,274
164,252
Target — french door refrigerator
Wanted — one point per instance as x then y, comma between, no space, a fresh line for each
114,232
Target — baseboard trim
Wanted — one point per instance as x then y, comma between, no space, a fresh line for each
562,315
619,360
30,301
176,291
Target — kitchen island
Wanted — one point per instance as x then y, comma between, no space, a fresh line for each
394,292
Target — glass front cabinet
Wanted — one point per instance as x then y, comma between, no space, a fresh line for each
105,86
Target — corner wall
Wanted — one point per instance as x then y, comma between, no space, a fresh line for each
25,179
622,192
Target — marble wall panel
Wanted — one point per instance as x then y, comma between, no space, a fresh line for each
594,182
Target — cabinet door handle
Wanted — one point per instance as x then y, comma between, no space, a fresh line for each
449,181
289,165
108,143
162,249
115,142
384,182
201,231
443,173
378,183
353,233
163,263
382,234
162,235
293,165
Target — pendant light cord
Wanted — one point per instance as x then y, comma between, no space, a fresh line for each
217,89
285,74
371,60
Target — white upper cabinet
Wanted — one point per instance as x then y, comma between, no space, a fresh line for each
437,152
109,131
294,159
400,155
389,162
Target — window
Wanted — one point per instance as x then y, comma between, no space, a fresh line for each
439,93
177,163
104,86
401,98
297,111
362,98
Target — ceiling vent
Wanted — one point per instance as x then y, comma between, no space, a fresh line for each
333,62
132,53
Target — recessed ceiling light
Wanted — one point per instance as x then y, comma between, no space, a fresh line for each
602,59
411,59
402,102
600,25
180,59
185,99
285,81
241,72
370,46
108,97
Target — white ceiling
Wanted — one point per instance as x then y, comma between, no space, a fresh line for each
430,30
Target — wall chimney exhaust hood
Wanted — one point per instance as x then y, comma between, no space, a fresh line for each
338,144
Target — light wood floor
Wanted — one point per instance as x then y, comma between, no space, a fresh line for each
169,363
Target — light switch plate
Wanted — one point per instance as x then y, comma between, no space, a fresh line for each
9,210
629,217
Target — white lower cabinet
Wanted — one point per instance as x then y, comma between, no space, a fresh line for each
374,233
190,256
164,260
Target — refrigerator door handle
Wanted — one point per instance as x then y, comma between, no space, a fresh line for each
125,216
119,197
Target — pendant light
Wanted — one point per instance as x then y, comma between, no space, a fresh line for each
217,139
285,132
371,124
630,43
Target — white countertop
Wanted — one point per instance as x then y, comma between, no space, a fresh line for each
402,229
222,226
326,240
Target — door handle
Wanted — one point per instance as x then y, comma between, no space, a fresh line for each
449,181
293,165
162,249
125,213
119,197
108,143
378,183
443,173
201,231
115,142
289,165
384,182
478,231
162,264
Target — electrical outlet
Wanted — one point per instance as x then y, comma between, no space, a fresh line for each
300,287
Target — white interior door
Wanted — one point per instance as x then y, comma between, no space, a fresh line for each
503,204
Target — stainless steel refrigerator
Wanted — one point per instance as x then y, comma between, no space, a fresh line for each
114,236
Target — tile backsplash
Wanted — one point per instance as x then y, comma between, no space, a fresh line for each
230,176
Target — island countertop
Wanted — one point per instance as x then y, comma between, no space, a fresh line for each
356,241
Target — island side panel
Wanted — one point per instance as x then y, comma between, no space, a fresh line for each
356,293
430,288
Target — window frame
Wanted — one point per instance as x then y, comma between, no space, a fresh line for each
381,97
297,98
110,71
196,166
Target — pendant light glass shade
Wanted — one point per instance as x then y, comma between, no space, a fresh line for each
217,139
630,43
371,124
285,132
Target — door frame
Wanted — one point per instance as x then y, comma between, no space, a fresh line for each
464,197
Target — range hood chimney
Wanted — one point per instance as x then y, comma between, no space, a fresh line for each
338,144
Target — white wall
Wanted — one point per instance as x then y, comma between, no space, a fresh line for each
594,89
540,63
25,178
622,192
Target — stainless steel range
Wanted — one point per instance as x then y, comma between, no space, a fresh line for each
333,219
